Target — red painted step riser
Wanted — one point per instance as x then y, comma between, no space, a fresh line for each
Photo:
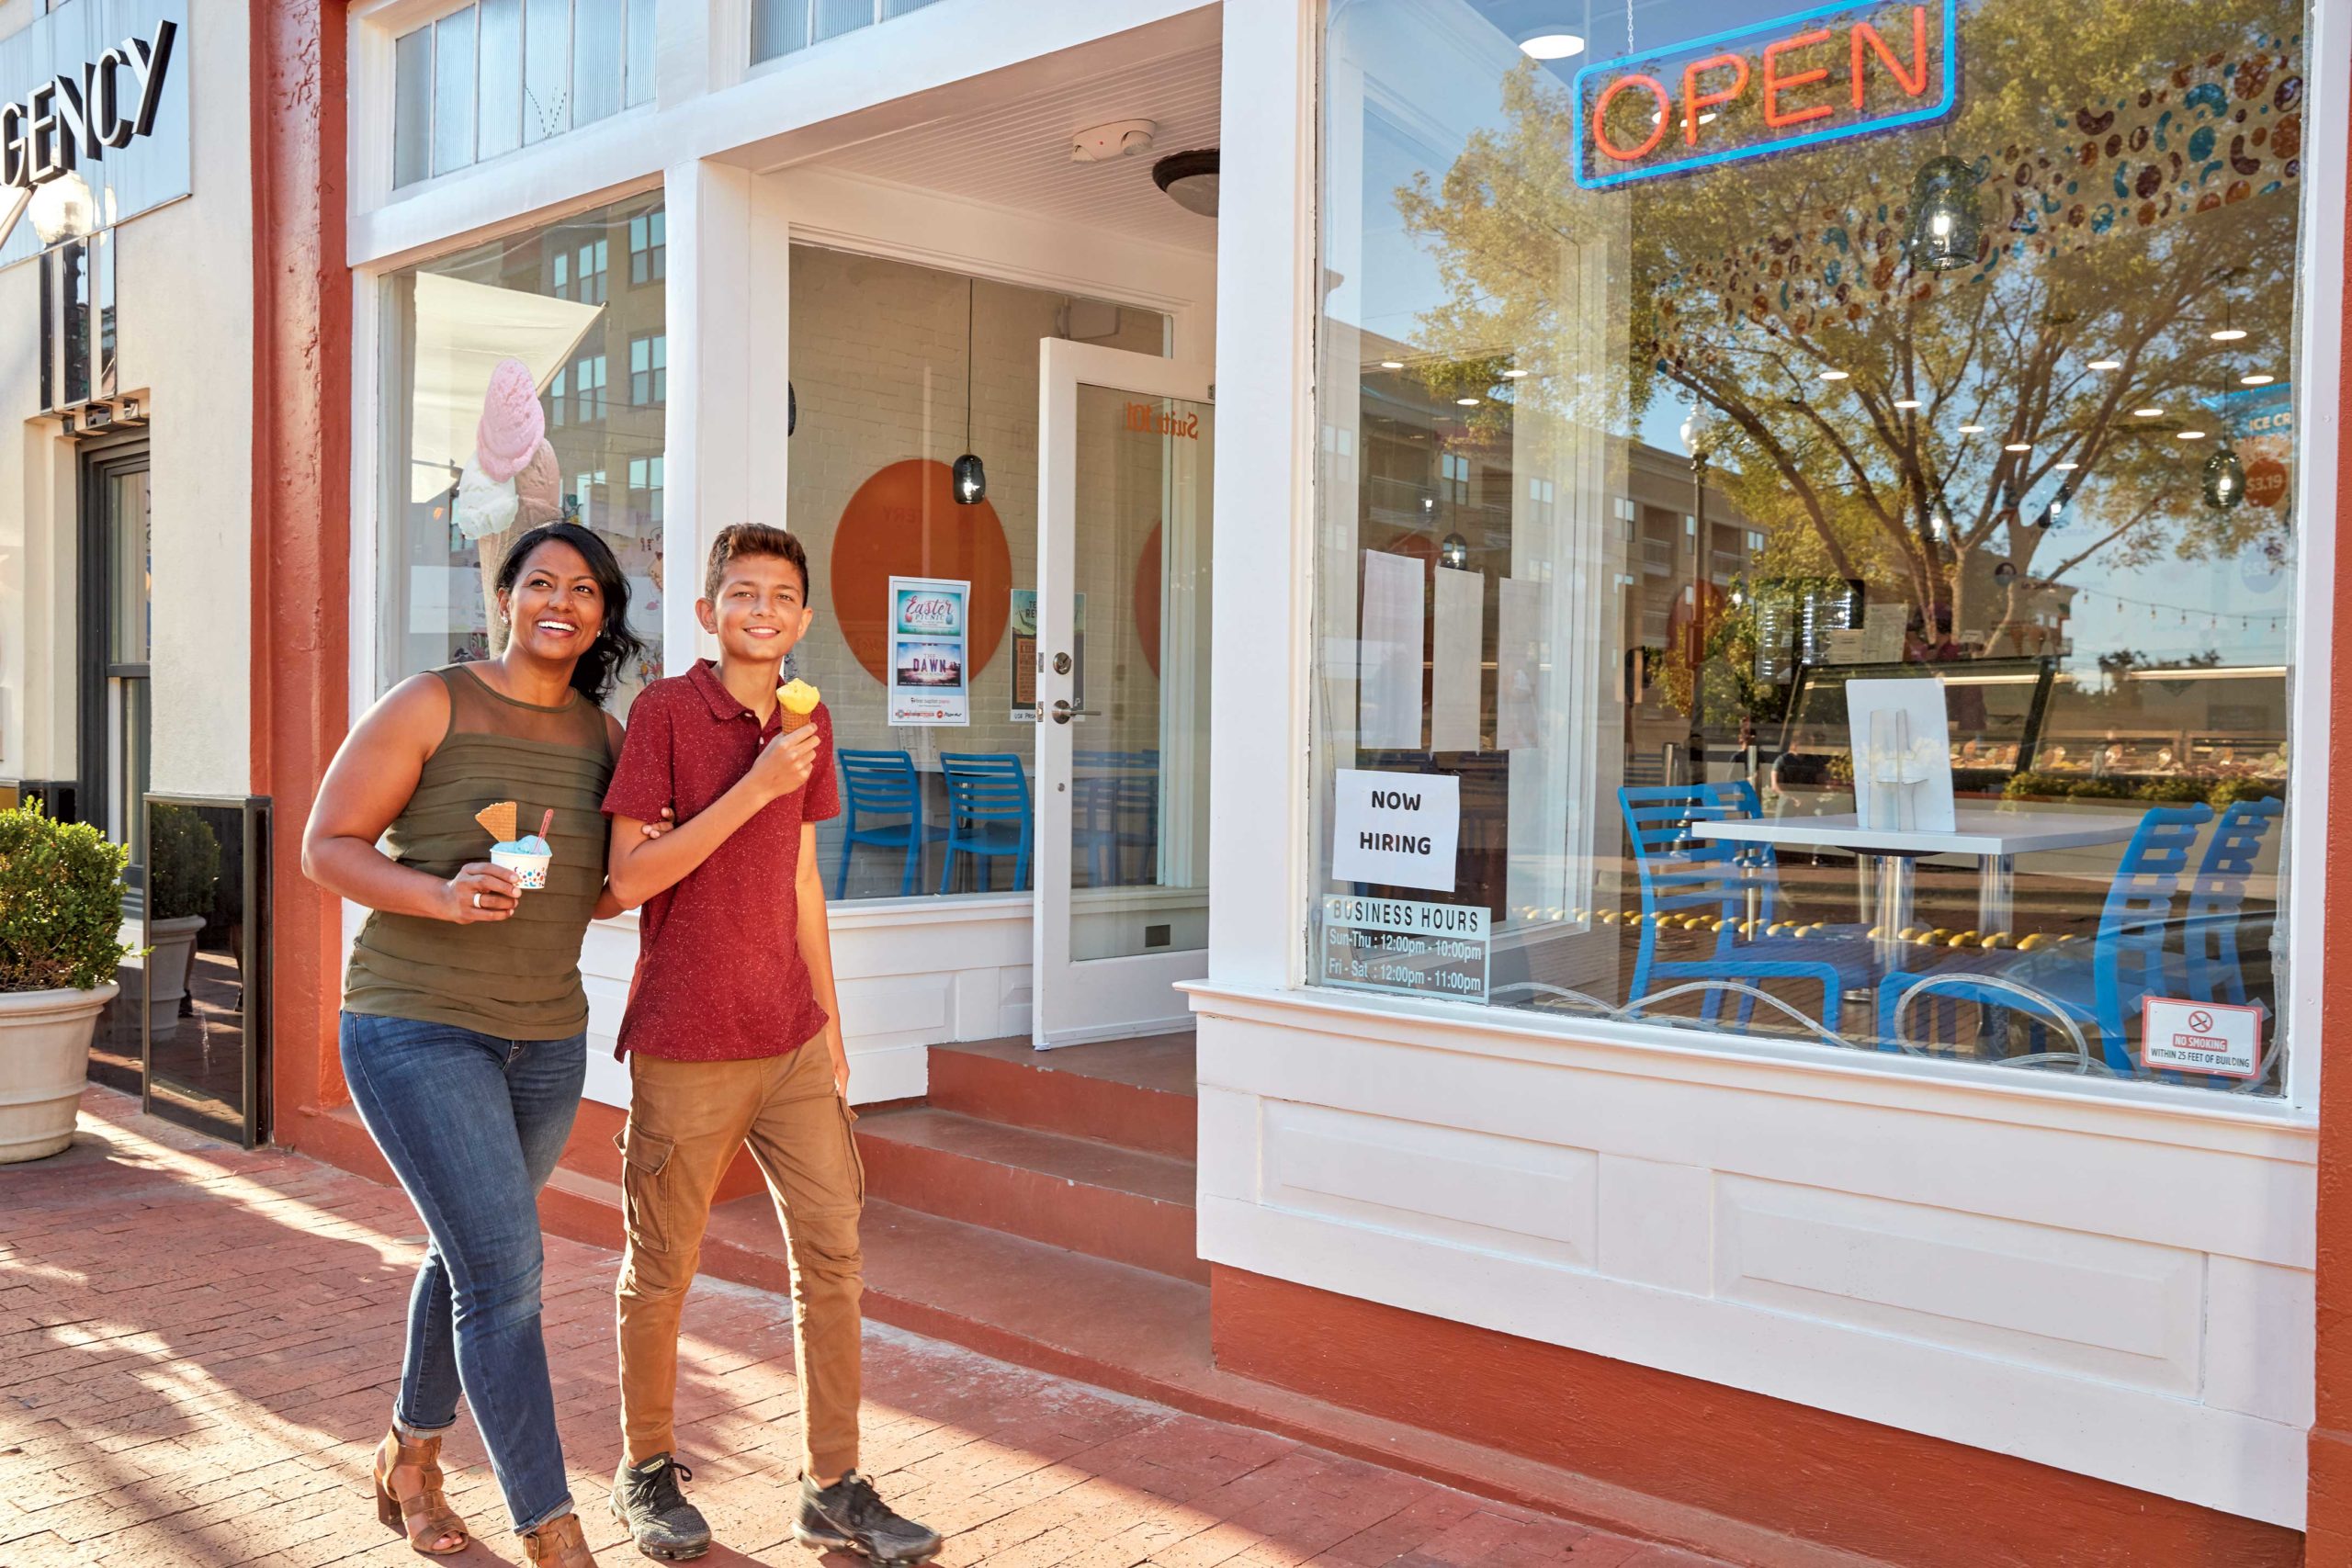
1099,1222
1148,1121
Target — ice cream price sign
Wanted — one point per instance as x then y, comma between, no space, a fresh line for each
1420,950
930,649
2201,1037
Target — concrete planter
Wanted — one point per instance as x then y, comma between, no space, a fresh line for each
174,949
44,1056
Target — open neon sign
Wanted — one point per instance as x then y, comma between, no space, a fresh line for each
1817,76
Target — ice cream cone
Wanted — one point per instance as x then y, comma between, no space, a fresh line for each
796,705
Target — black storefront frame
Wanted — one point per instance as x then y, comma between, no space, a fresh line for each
98,463
249,1121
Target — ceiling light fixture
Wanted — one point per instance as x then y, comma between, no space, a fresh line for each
2147,413
1517,375
1467,402
1392,365
1971,430
2018,447
2256,379
2229,335
2189,435
2107,365
1552,44
1190,179
1834,374
1906,402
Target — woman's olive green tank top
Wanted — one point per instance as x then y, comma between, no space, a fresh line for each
516,978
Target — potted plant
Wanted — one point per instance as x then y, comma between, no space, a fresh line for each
61,929
183,864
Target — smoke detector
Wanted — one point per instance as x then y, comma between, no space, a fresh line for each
1108,144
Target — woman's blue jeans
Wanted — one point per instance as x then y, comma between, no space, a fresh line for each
472,1124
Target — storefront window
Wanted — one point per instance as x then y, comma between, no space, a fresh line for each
498,74
779,26
896,372
448,517
1805,522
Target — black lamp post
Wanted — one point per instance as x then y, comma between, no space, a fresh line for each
1700,437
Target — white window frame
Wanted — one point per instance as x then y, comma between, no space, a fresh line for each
1284,880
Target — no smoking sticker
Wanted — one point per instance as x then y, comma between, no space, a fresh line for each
2201,1037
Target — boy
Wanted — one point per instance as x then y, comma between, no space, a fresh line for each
733,1040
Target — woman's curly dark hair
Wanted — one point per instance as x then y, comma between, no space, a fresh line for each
599,669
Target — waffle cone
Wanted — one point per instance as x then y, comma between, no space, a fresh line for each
498,820
789,721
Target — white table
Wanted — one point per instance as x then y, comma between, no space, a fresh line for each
1993,836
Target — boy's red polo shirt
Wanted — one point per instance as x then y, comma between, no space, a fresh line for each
719,975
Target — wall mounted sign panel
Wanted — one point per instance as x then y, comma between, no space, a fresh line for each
93,119
1818,76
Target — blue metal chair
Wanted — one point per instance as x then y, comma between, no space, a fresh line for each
2217,900
987,815
1711,880
883,783
2128,960
1095,826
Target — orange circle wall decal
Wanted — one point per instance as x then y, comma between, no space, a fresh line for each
1147,599
903,521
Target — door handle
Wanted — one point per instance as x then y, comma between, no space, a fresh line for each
1064,713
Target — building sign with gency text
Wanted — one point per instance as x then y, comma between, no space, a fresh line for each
1816,76
94,120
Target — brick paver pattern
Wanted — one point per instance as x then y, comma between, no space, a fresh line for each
199,1345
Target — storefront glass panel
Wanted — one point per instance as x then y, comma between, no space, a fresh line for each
896,372
565,302
1807,543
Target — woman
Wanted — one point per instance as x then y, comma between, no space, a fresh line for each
464,1022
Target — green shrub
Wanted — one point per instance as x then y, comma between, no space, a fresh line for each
61,904
183,862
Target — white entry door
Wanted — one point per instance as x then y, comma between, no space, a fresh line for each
1124,451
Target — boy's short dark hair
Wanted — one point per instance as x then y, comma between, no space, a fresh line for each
738,539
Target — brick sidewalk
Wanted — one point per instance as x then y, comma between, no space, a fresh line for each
198,1348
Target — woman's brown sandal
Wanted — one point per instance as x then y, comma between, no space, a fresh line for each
426,1517
558,1544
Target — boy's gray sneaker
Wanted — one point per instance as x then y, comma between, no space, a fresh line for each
849,1516
646,1498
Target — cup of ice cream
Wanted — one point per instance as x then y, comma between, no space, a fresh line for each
527,856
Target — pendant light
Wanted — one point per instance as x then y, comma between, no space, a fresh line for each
1453,553
2225,475
1939,518
2056,510
1946,222
971,479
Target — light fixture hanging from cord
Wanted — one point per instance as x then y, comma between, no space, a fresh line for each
1453,552
1946,223
971,479
2224,476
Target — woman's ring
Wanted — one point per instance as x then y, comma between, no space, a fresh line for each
477,901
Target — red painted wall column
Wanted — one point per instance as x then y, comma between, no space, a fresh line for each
2328,1526
302,538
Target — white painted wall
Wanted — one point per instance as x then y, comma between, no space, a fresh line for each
184,290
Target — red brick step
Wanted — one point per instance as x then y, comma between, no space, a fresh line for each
1138,1094
1091,1198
